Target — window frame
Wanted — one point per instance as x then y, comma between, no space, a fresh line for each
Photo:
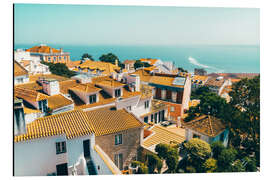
146,104
118,139
61,147
92,97
117,92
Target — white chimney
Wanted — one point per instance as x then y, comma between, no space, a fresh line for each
19,121
50,86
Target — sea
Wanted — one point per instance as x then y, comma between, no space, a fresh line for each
213,58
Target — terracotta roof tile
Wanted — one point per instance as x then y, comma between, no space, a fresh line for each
58,101
29,95
110,83
47,76
207,125
86,88
72,124
19,70
42,49
109,120
65,85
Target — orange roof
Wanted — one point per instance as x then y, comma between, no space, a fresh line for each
109,120
19,70
107,68
72,64
150,61
29,95
110,83
163,80
30,85
205,124
66,85
58,101
42,49
235,80
47,76
86,88
30,110
129,61
72,124
214,82
25,63
144,75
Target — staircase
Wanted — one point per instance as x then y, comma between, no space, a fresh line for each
90,166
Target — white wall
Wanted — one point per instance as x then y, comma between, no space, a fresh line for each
189,135
85,96
123,103
21,79
139,110
63,109
37,157
186,94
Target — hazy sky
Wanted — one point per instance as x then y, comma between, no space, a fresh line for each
134,25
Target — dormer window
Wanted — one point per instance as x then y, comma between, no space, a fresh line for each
92,99
146,104
117,92
42,105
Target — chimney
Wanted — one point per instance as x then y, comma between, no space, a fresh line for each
61,50
50,86
179,122
19,121
51,51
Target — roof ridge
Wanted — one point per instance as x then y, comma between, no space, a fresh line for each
169,131
210,125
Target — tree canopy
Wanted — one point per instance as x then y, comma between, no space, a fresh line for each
110,58
139,64
87,56
59,69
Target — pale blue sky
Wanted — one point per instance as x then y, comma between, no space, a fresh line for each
134,25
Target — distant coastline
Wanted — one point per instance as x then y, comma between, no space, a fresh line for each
214,58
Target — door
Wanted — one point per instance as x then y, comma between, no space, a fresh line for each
62,169
86,148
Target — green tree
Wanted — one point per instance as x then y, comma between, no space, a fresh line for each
225,160
210,165
182,70
238,166
86,55
162,150
153,162
250,164
59,69
243,117
217,147
139,64
110,58
197,152
199,92
171,162
142,168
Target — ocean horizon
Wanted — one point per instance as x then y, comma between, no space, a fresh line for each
213,58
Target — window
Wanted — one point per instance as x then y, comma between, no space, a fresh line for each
54,58
152,117
129,108
172,108
65,57
59,57
93,99
118,161
117,92
118,139
146,119
61,147
49,59
196,136
146,104
42,105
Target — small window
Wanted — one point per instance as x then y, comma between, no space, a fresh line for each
196,136
54,58
61,147
118,139
129,108
146,119
146,104
59,57
49,59
172,108
152,117
117,92
93,99
65,57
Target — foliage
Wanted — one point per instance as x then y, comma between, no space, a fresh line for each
198,149
153,162
142,168
171,162
199,92
110,58
88,56
225,160
217,147
59,69
210,103
243,117
250,164
162,150
182,70
238,166
210,165
190,169
139,64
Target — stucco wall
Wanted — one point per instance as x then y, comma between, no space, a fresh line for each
131,140
186,94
